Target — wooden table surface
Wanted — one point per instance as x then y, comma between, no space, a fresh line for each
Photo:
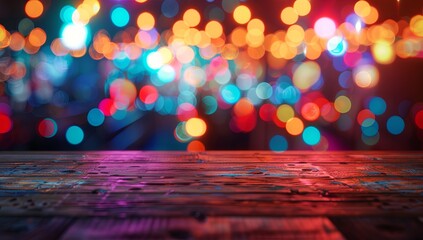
211,195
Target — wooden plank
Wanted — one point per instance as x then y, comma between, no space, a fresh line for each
208,228
363,228
33,228
156,188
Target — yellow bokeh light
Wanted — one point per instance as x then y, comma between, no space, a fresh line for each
214,29
238,37
362,8
289,16
342,104
305,75
179,28
295,34
195,127
242,14
146,21
295,126
416,25
34,8
255,38
285,112
191,17
366,76
302,7
372,17
256,24
383,52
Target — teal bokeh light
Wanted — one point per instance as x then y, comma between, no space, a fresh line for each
120,17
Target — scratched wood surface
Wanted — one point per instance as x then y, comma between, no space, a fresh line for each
211,195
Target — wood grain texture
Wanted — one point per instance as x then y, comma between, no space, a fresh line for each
92,190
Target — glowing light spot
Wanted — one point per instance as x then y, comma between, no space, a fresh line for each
370,127
244,81
289,16
285,112
34,8
418,119
311,136
195,127
230,93
146,21
243,108
337,46
294,126
155,60
209,105
278,143
295,34
5,123
242,14
47,128
310,111
95,117
366,76
195,76
74,36
256,24
362,8
37,37
214,29
325,27
170,8
264,90
342,104
302,7
416,25
395,125
166,74
383,52
66,13
191,17
120,17
267,112
185,54
180,133
377,105
186,111
123,93
196,146
148,94
364,115
306,74
74,135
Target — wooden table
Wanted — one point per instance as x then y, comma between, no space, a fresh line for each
211,195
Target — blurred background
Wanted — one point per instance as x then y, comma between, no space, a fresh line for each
211,74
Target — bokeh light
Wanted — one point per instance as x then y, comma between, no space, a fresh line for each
325,27
5,123
74,36
195,127
311,135
74,135
120,16
34,8
242,14
395,125
47,128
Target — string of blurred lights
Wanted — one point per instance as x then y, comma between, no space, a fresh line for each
196,67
